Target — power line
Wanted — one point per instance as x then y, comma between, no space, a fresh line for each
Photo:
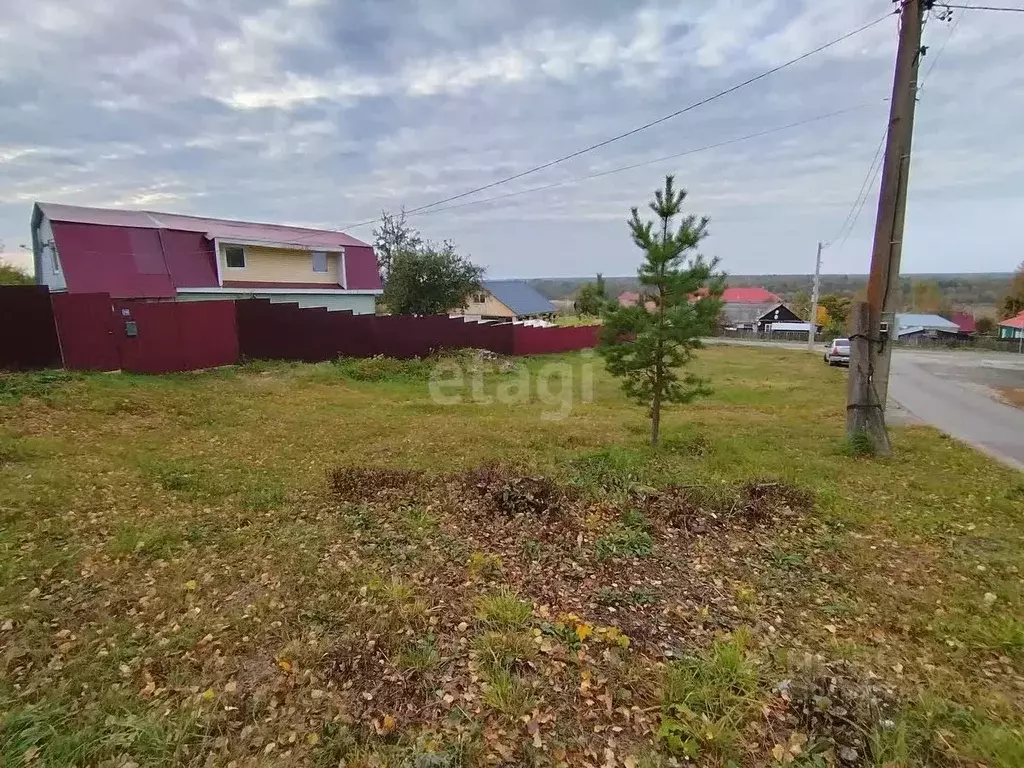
654,161
645,126
865,187
952,31
969,7
867,193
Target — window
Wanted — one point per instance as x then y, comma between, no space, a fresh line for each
319,261
479,298
54,261
234,257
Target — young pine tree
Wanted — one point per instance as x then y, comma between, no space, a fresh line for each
646,346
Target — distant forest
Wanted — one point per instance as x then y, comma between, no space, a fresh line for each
978,292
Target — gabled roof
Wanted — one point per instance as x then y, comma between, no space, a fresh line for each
145,254
1017,321
223,229
519,296
754,295
911,322
740,313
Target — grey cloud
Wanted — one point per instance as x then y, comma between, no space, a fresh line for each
324,113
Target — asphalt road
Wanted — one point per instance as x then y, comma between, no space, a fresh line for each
953,391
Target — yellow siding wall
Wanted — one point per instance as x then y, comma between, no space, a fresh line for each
280,265
491,307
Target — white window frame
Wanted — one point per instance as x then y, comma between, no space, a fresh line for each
245,257
327,263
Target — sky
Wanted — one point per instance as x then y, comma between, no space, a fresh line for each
325,112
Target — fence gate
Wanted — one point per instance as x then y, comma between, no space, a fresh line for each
86,327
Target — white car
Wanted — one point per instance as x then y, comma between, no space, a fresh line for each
838,352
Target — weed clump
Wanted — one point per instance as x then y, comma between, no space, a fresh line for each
844,717
511,494
708,698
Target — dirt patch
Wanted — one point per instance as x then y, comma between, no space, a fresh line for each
697,509
357,484
1012,396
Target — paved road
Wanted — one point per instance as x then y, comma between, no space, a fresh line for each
953,392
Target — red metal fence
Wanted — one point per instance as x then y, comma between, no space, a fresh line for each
97,333
287,332
28,335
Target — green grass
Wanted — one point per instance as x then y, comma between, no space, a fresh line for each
508,693
504,649
708,699
503,610
161,537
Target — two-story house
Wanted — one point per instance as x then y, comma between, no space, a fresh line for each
170,257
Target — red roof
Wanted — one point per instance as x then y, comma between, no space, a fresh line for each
755,295
965,321
628,298
145,254
1017,321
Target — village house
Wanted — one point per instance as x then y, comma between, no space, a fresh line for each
170,257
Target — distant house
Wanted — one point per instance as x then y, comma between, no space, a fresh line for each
629,298
1013,328
506,300
632,298
746,308
777,316
169,257
912,326
965,321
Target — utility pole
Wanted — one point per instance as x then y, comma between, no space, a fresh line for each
870,351
814,298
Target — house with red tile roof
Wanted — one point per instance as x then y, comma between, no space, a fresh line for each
165,256
1012,328
751,307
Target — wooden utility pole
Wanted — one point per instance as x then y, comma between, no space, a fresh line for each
814,298
870,350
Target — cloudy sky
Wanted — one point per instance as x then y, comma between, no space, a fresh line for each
324,112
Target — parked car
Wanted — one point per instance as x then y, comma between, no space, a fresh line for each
838,352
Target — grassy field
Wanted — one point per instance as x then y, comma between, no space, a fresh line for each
320,565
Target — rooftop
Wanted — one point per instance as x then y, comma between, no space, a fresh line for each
519,296
223,229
